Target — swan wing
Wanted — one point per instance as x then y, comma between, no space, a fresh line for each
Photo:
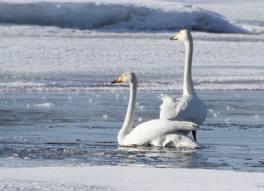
187,108
170,107
144,133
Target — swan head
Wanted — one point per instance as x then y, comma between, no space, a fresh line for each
127,77
182,35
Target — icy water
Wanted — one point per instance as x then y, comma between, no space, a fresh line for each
49,128
57,107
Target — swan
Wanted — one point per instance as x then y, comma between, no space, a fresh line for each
157,132
188,107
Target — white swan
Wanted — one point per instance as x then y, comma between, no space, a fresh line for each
188,107
162,133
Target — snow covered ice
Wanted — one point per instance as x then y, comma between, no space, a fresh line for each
126,15
127,178
110,15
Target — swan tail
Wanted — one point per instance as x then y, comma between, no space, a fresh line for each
175,141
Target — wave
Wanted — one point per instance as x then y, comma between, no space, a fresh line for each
116,17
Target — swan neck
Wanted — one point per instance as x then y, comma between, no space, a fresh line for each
128,122
187,79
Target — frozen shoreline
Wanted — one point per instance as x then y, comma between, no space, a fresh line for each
127,178
30,62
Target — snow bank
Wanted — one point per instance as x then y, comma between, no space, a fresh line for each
127,178
124,16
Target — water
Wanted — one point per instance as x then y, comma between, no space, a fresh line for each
72,128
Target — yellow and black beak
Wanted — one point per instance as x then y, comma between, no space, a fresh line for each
175,37
120,79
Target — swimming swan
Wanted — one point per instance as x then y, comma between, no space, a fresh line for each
188,107
158,132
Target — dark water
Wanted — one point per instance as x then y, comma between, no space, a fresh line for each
46,128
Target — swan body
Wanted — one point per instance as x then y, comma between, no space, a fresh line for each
157,132
189,107
160,133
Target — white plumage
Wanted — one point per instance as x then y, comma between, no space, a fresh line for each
158,132
162,133
188,107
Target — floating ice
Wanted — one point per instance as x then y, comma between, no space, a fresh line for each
105,117
20,84
117,97
141,107
229,108
256,116
215,115
44,105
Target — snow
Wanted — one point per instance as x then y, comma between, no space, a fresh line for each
88,61
124,16
235,16
127,178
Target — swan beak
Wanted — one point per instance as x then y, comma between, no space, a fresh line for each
120,79
175,37
115,82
